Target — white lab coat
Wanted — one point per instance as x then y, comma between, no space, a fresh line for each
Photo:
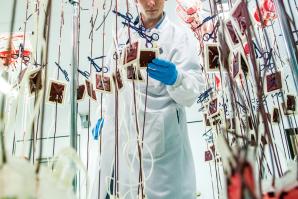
170,174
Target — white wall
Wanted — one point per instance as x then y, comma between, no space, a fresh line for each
204,180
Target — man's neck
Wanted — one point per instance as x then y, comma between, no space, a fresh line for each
150,23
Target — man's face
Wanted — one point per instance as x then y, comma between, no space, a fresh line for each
151,9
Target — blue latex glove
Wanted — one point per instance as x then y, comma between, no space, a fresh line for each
97,129
163,71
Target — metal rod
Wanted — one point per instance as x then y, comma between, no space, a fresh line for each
197,121
2,125
74,83
289,39
45,138
44,61
2,96
74,78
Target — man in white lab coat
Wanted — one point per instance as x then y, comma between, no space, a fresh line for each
175,81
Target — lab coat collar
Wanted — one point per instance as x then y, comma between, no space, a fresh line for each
160,24
160,21
163,24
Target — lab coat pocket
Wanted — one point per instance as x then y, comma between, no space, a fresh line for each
154,137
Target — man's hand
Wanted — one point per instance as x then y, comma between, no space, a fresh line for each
163,71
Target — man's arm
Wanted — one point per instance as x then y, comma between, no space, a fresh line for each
182,73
